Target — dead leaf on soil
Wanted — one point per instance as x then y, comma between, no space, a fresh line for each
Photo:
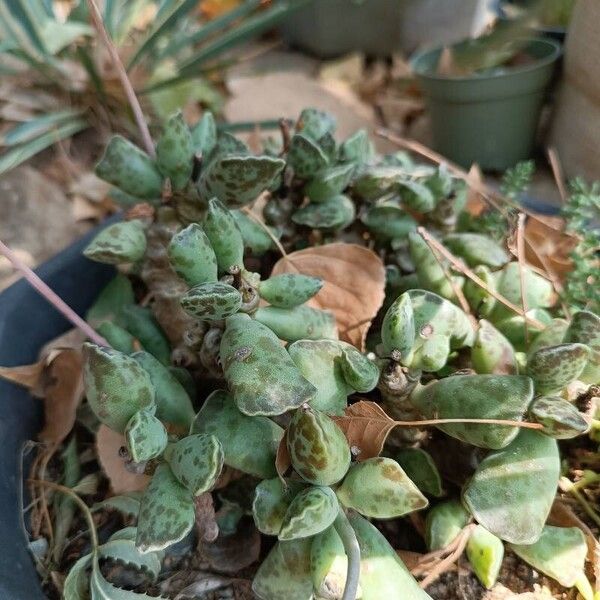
108,443
206,524
28,376
366,426
283,460
354,283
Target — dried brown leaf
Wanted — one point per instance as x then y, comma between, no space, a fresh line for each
108,444
206,524
283,460
354,282
29,376
366,426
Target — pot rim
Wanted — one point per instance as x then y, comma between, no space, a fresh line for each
552,57
500,12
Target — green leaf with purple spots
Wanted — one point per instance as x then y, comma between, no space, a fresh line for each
249,443
492,352
485,552
379,488
443,524
585,329
285,572
387,221
311,511
238,180
256,240
192,256
335,213
421,469
513,327
299,323
225,236
272,498
211,301
508,500
357,148
561,419
175,152
204,135
196,461
288,290
560,553
130,169
505,397
260,374
552,335
329,183
318,448
116,386
306,157
146,436
119,243
553,368
167,512
398,329
228,145
360,373
415,195
315,123
476,249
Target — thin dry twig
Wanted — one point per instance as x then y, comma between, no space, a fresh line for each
521,262
557,172
507,422
125,82
267,230
51,296
460,266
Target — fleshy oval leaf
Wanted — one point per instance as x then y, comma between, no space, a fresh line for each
272,498
175,152
552,368
330,182
212,301
225,236
421,469
492,353
119,243
146,436
192,256
485,552
306,157
561,419
311,511
335,213
477,249
288,290
398,329
443,524
298,323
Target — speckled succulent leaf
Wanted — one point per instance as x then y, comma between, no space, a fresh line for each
228,145
398,329
141,324
196,461
329,565
118,243
476,249
314,123
439,183
485,552
256,239
117,294
146,436
272,498
375,181
329,183
481,302
513,327
416,196
585,328
121,547
238,180
504,397
559,552
76,585
225,236
337,212
260,374
318,448
387,221
539,292
357,148
421,469
306,157
130,169
116,386
311,511
382,573
443,523
379,488
249,443
204,135
432,353
361,373
320,361
166,513
192,256
554,367
552,335
429,271
175,152
288,290
492,352
510,501
117,337
298,323
561,419
285,572
211,301
173,404
127,504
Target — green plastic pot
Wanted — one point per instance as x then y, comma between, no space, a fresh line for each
488,119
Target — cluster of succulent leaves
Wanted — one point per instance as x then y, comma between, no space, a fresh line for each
428,358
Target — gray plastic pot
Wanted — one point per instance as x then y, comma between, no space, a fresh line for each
488,119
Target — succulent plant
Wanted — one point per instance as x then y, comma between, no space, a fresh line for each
273,377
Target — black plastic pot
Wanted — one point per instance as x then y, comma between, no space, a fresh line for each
27,322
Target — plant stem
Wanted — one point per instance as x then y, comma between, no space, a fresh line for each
521,263
352,549
51,296
506,422
277,243
125,82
